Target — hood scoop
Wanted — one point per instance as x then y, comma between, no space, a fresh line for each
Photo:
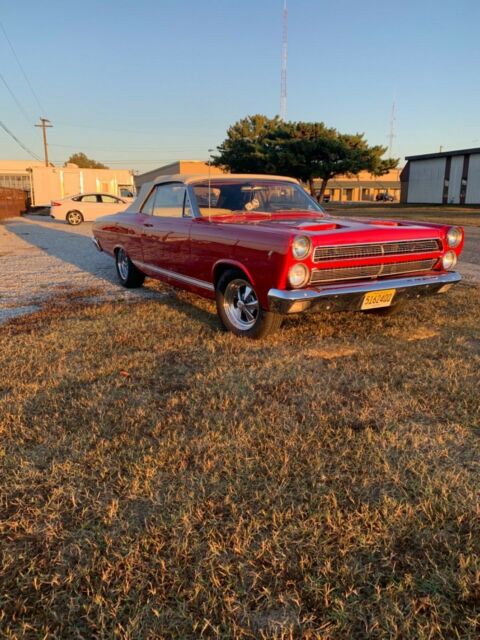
319,226
385,223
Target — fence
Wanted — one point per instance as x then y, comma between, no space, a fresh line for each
12,202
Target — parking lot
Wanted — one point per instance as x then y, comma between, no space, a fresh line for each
41,259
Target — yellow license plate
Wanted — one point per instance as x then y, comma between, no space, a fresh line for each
376,299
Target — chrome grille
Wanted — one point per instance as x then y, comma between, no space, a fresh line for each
370,271
375,250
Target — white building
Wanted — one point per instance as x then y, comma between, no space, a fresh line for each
42,184
449,177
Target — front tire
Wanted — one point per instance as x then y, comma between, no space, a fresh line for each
74,217
239,308
128,274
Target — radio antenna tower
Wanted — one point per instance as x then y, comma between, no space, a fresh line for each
392,135
283,83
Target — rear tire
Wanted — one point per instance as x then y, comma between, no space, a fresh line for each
128,274
74,217
239,309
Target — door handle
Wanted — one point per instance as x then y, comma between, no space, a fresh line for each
147,224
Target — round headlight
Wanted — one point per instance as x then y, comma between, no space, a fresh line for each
301,247
454,237
298,275
449,260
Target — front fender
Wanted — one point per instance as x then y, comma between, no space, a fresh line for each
232,263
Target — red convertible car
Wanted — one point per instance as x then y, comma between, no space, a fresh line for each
263,248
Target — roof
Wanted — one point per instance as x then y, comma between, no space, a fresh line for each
188,178
444,154
94,193
18,166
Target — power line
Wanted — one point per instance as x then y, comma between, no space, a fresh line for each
144,132
132,149
34,155
21,68
24,113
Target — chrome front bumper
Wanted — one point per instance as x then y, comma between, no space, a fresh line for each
349,297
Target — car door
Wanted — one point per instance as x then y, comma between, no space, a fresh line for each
111,204
166,235
90,206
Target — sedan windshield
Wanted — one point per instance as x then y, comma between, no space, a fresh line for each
224,197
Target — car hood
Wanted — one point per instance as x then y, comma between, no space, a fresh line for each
316,224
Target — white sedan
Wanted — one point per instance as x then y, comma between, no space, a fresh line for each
87,206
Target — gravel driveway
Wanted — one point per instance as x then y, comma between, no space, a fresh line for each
41,258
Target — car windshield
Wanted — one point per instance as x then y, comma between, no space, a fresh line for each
224,197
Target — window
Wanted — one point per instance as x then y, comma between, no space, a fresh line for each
15,182
169,199
109,199
89,198
148,206
224,196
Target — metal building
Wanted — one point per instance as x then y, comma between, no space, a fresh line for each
448,177
180,166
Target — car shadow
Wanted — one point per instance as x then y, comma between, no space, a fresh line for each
191,306
71,246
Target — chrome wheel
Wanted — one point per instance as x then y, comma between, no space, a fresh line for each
241,304
74,217
122,264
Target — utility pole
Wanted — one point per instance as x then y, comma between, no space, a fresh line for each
283,74
44,127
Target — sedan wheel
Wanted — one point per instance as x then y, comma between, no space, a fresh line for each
239,308
74,217
241,304
128,273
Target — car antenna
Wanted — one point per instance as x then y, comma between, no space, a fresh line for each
209,178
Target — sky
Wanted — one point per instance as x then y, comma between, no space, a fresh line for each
140,84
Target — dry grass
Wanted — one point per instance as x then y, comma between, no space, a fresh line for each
161,479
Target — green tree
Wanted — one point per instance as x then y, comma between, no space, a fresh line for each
302,150
84,162
245,149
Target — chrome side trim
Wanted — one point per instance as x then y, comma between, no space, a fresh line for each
97,244
176,276
344,297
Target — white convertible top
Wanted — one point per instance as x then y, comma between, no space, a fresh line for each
192,178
